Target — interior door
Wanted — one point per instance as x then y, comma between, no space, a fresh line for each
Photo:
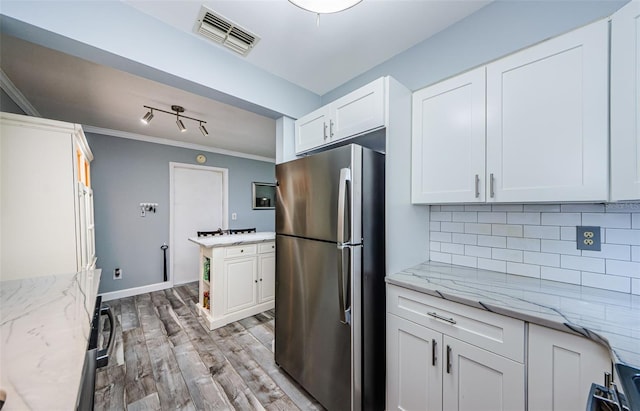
199,203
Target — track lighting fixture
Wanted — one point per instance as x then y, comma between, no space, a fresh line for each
146,119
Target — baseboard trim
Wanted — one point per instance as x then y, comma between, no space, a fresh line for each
130,292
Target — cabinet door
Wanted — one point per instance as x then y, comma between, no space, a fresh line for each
358,112
312,130
625,103
267,276
448,140
240,278
478,380
547,120
562,367
414,377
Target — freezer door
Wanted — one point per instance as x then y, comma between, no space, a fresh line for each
311,342
308,195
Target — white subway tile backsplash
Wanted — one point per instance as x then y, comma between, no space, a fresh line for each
523,218
493,265
476,251
465,216
528,270
555,208
613,251
561,219
452,227
492,241
560,274
477,228
621,236
452,248
541,231
606,282
582,208
440,257
440,216
543,259
506,207
594,265
506,254
623,268
539,240
464,260
559,247
498,217
438,236
464,238
529,244
610,220
506,230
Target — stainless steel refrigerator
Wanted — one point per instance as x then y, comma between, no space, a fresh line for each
330,267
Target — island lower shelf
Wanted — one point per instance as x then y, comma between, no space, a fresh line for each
236,282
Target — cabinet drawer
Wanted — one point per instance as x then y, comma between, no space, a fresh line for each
493,332
266,248
240,250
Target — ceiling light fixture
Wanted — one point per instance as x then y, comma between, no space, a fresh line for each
177,112
325,6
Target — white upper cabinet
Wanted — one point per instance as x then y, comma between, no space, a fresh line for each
543,131
358,112
625,103
448,140
547,120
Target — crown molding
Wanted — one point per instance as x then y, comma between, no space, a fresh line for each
174,143
14,93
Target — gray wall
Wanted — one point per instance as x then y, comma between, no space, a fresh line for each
494,31
126,173
8,105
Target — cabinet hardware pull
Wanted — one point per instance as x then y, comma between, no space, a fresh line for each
261,279
242,251
491,185
477,186
324,124
448,359
433,351
439,317
331,128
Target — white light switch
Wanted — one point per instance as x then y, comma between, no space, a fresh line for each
234,216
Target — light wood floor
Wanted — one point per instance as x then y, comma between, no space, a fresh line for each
165,358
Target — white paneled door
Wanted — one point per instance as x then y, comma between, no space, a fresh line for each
199,202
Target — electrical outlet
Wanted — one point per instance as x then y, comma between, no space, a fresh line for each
117,274
588,238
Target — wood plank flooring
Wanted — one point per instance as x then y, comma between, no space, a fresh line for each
165,358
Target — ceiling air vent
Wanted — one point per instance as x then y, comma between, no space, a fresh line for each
223,31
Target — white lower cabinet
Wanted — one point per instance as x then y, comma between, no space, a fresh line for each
240,276
562,367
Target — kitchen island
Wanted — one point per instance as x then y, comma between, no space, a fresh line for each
237,276
547,327
44,330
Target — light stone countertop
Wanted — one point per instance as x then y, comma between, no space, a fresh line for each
44,333
609,317
233,239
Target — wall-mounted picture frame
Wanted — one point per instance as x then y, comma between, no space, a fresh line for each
263,196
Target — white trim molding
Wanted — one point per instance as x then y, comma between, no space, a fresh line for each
167,142
130,292
16,95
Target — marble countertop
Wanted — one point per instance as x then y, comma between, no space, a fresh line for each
233,239
609,317
44,332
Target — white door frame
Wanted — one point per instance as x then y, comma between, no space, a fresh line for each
225,203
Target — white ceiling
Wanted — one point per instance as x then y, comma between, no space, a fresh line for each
291,46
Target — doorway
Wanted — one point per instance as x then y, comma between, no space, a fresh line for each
199,202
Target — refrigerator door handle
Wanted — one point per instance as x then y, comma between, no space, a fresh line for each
345,177
344,259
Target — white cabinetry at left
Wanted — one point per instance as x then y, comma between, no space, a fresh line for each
46,198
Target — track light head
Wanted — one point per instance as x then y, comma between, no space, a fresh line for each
180,124
147,117
203,130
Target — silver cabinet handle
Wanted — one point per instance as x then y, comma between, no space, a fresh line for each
477,186
448,359
433,352
491,193
331,128
439,317
324,126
